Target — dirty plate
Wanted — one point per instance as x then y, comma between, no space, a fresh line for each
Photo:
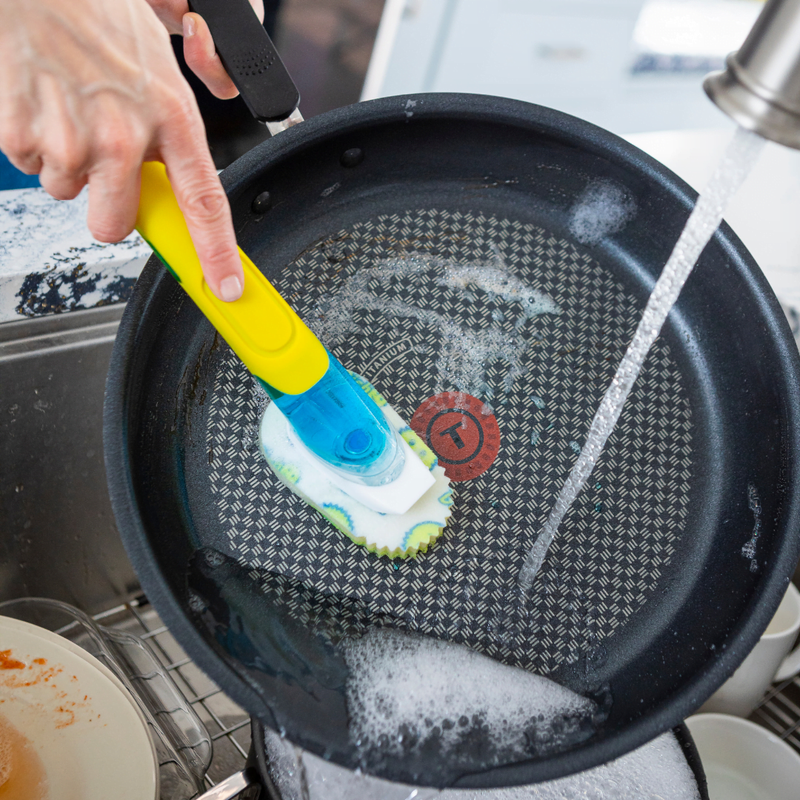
83,730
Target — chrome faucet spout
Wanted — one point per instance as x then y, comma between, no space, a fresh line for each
760,89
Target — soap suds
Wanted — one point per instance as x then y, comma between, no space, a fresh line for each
498,283
604,207
409,694
656,771
465,354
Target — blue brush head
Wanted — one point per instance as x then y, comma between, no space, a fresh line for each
338,422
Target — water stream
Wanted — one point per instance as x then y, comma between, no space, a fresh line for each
732,169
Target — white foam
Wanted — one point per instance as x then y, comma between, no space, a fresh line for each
465,355
405,688
656,771
605,207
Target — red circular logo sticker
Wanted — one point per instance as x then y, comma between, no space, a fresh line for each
461,431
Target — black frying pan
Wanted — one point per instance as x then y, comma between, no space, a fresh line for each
667,568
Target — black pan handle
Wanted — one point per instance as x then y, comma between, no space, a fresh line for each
250,58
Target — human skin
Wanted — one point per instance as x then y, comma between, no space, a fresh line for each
90,89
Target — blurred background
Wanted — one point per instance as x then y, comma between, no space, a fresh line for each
634,67
631,66
627,65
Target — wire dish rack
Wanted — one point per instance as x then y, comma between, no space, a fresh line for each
227,724
779,712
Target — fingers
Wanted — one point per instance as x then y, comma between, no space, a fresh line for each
203,202
201,55
17,139
113,203
114,181
18,106
63,148
19,146
202,58
170,12
258,7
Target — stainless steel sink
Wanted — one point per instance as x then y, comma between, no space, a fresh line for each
57,533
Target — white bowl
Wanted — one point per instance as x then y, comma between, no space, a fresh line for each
91,737
744,761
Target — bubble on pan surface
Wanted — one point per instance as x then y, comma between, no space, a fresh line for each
538,339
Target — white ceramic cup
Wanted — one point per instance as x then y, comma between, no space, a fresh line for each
743,761
770,660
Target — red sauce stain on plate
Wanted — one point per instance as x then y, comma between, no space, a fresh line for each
22,775
17,675
8,662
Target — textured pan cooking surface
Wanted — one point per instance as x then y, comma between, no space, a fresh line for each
616,541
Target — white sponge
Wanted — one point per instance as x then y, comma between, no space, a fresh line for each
404,526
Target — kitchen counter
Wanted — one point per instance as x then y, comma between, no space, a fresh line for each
49,262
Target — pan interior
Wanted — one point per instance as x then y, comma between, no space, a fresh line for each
431,301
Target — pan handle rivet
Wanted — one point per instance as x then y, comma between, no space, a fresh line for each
352,157
262,203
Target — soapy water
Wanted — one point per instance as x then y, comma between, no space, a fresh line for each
605,207
465,353
407,692
749,548
410,695
498,283
656,771
250,433
733,168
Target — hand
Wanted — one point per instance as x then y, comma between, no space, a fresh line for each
198,45
89,89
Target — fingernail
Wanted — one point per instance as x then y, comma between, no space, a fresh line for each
189,26
230,288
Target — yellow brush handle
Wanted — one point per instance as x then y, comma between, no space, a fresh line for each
260,327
